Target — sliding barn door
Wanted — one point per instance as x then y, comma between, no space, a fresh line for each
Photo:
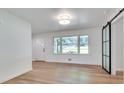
106,48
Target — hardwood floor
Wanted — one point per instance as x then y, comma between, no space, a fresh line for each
61,73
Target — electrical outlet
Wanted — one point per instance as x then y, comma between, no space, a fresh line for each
43,49
69,59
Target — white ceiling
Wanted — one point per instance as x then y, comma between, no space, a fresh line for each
45,19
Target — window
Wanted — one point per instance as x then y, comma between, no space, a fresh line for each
57,46
84,44
71,45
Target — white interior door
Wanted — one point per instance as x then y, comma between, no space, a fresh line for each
38,49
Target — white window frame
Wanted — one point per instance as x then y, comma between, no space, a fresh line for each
78,45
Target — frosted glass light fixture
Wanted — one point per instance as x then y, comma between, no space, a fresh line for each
64,22
64,19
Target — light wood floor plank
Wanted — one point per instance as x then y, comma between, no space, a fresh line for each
61,73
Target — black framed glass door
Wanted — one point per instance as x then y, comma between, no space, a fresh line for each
106,48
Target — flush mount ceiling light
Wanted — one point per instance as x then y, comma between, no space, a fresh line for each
64,22
64,19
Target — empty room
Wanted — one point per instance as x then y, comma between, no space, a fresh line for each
61,45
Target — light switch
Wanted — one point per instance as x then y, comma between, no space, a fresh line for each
1,21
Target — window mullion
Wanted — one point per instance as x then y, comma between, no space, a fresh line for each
78,44
60,45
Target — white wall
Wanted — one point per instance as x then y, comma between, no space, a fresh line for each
15,46
123,46
117,45
95,47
